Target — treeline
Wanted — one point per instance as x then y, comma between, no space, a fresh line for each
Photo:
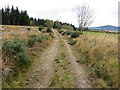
13,16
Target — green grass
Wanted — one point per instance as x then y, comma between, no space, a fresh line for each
101,34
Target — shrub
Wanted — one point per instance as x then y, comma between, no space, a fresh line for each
16,50
16,59
49,23
49,30
57,24
60,31
68,32
75,34
40,28
63,33
73,42
68,27
22,58
28,28
44,31
31,41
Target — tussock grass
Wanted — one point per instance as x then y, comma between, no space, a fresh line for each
100,52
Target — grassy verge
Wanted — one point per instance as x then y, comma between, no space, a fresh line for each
63,76
99,52
18,55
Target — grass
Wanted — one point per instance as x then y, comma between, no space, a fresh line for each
63,76
19,52
99,51
101,34
15,57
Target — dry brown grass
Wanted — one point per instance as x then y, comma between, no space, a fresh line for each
11,32
100,52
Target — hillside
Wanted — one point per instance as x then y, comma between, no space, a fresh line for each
106,28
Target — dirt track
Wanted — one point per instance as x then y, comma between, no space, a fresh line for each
43,69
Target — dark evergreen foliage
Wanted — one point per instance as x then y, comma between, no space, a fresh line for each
13,16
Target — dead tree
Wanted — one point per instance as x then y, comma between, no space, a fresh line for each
85,15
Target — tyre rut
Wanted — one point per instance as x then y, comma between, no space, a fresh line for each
79,72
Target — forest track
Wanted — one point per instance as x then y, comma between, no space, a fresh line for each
79,71
44,70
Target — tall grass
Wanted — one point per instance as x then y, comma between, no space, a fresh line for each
100,52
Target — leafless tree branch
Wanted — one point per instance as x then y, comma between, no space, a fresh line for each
85,15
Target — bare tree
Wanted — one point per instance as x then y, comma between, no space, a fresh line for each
85,15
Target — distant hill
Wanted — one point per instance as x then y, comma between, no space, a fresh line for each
105,28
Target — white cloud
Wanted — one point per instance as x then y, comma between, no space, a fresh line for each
106,10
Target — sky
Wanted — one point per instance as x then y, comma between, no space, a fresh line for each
106,11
